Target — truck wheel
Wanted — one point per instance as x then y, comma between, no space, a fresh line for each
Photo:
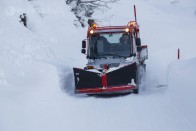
136,91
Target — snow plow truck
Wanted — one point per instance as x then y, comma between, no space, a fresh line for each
116,60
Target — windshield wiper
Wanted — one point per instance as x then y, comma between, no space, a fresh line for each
115,55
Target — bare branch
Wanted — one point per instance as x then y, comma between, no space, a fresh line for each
85,8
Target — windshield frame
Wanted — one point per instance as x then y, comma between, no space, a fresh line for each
113,48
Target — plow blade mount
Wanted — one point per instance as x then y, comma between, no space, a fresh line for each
121,80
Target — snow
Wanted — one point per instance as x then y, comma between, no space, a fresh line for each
182,91
36,69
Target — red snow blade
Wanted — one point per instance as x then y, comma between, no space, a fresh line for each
114,89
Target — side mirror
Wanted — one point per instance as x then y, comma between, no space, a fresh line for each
138,41
139,48
83,44
83,51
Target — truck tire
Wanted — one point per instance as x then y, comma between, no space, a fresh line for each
136,91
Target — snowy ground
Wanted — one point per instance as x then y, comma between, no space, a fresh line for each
36,66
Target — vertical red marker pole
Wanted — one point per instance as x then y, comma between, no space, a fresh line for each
178,54
135,14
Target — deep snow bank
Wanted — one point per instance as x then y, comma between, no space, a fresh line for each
181,81
50,38
32,62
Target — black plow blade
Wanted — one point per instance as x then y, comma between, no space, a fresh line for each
120,79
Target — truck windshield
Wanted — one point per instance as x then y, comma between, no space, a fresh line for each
103,45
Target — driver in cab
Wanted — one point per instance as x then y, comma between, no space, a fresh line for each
124,40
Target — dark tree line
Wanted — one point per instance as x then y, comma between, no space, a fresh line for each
85,8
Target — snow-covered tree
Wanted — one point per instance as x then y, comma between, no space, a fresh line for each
85,8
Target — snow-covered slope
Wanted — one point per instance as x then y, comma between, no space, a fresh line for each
181,77
36,65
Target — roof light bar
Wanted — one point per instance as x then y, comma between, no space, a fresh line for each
94,25
127,30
